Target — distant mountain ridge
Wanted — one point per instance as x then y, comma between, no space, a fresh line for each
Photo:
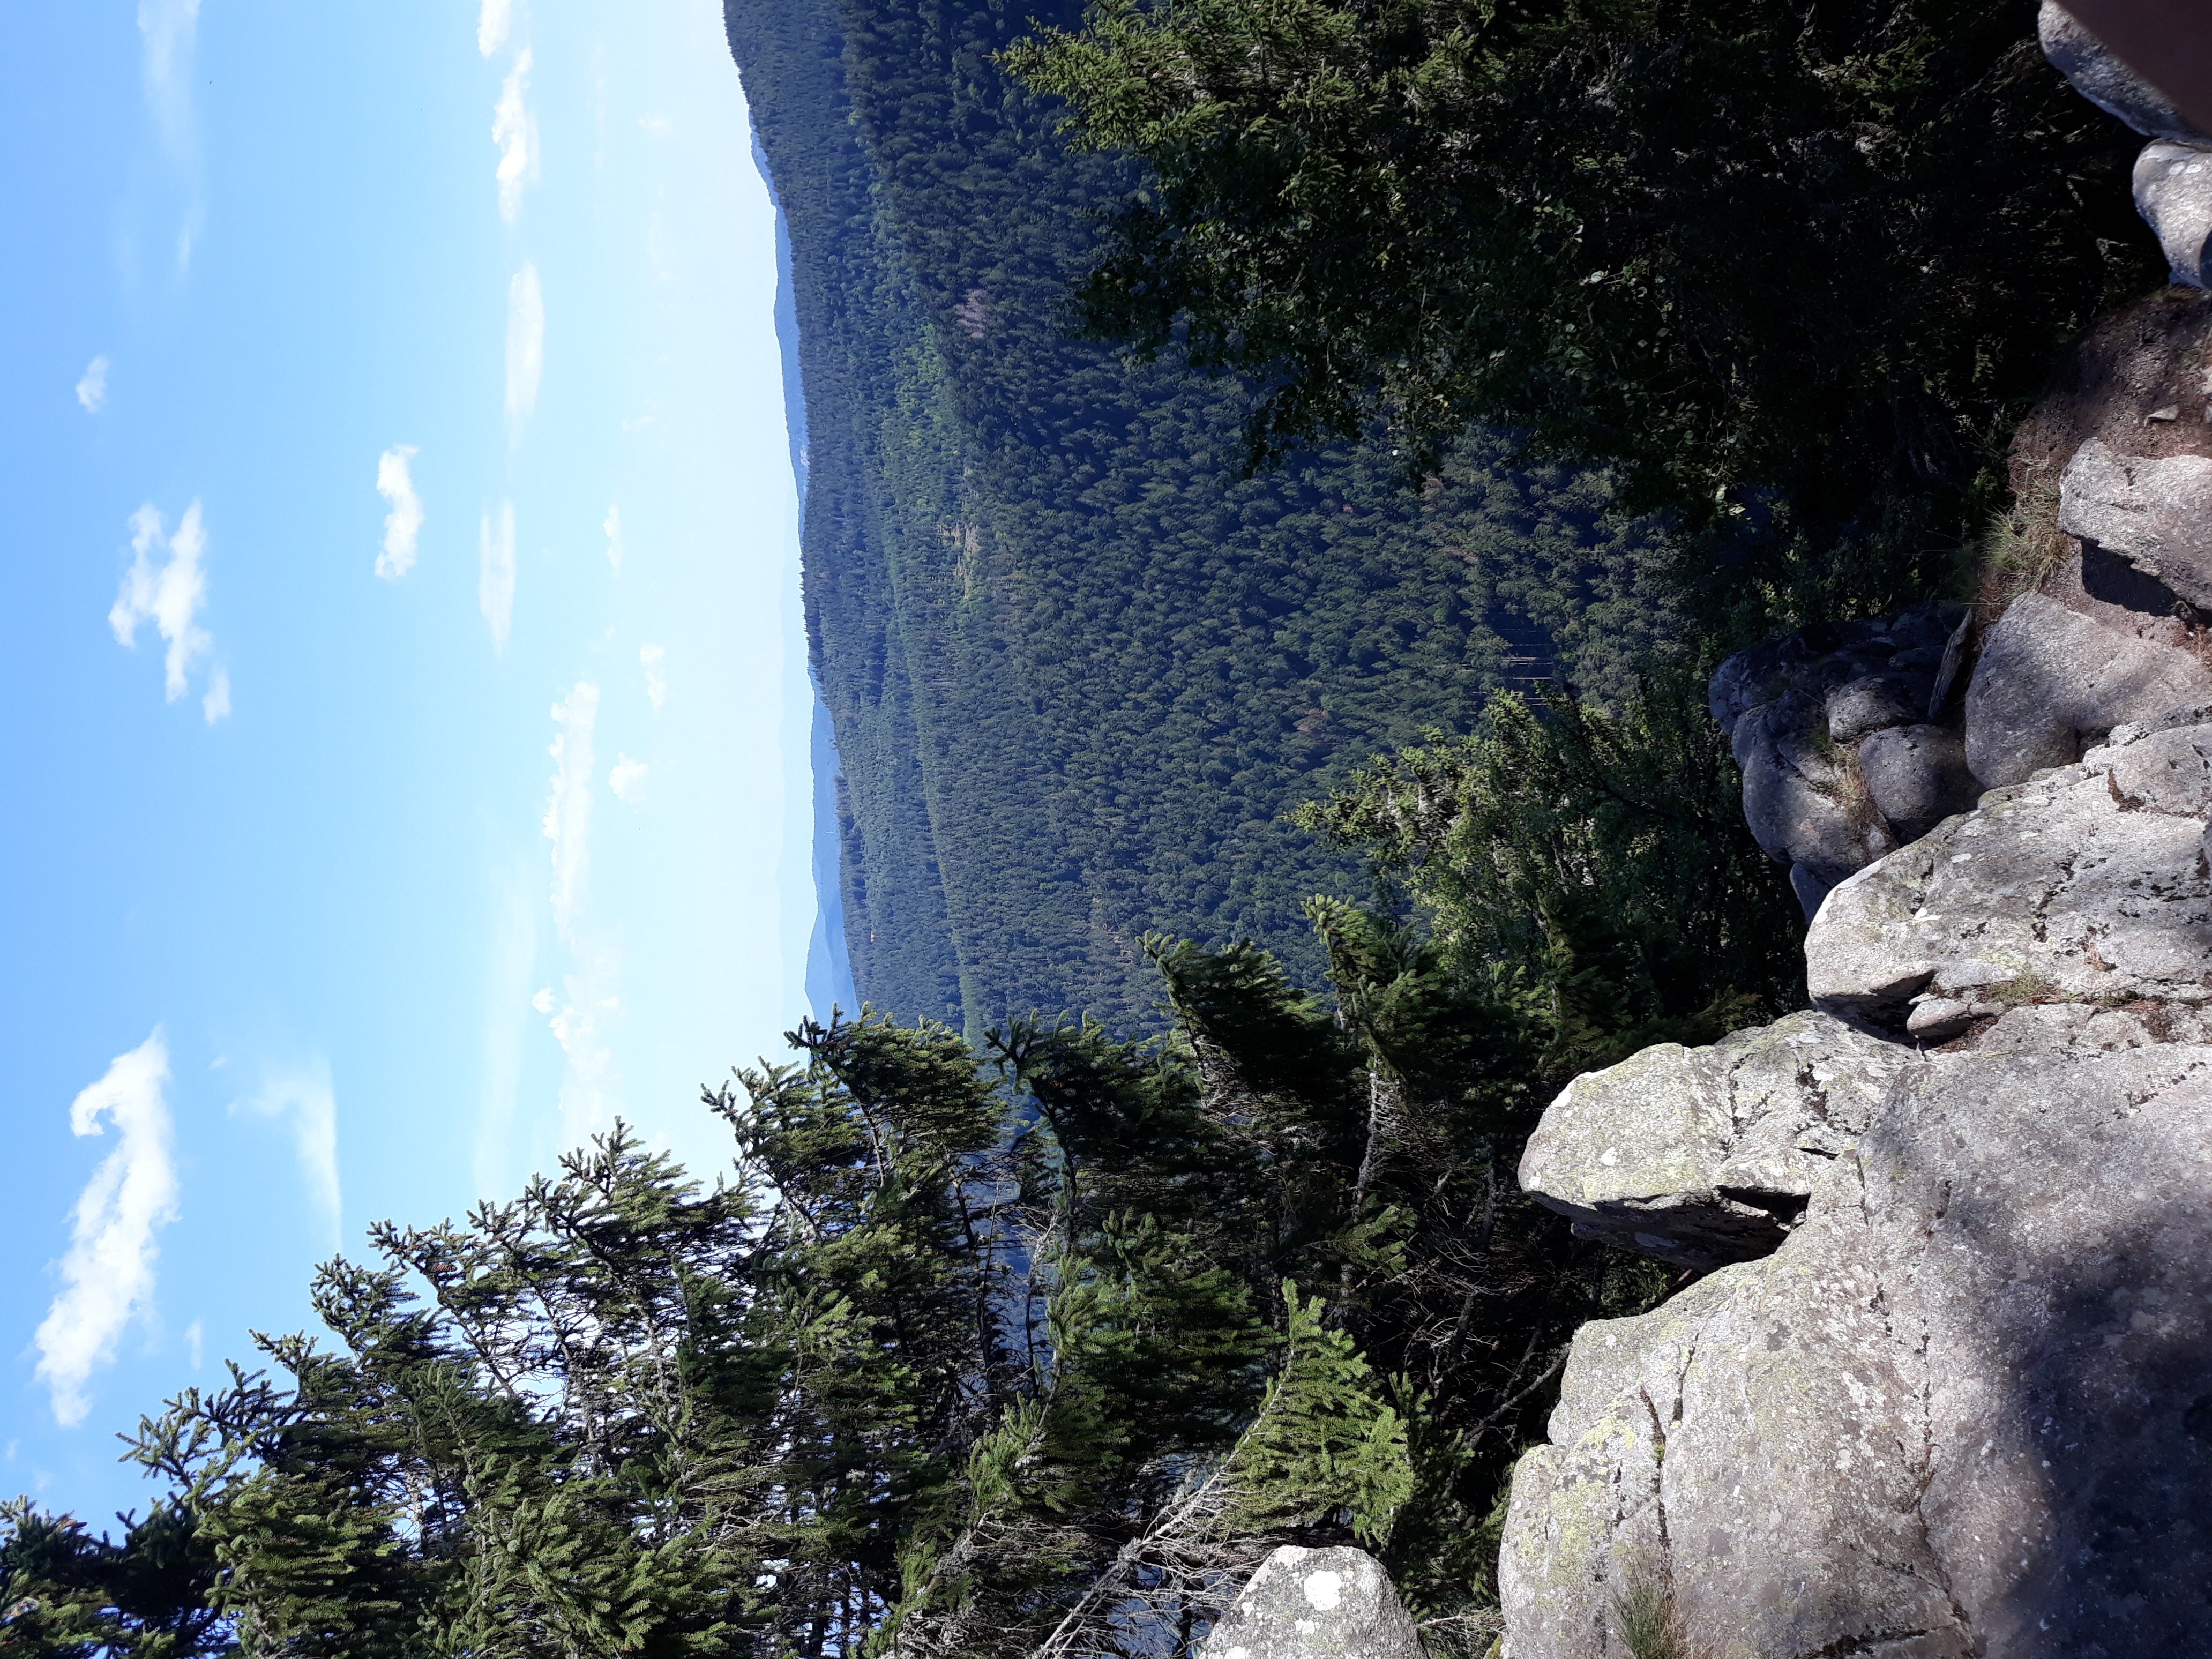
1076,667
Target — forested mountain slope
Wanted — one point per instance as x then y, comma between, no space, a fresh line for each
1078,668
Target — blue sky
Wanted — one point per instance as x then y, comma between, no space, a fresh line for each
410,767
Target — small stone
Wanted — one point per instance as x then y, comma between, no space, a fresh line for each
1935,1018
1315,1604
2171,412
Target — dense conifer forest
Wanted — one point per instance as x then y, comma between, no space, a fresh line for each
1080,666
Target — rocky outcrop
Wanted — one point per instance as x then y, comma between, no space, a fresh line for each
1315,1604
2053,680
1963,1410
1800,713
1948,1387
2173,174
2087,885
1703,1155
1959,1401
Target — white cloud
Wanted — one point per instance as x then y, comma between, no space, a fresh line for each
403,524
626,778
612,525
108,1274
171,29
568,821
492,21
514,130
92,390
525,348
656,683
216,705
589,1000
658,126
303,1095
195,1343
495,574
169,595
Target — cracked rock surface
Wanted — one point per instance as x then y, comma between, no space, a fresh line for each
2086,884
1315,1604
1965,1408
1703,1156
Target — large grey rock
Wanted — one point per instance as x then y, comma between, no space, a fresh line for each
1965,1409
1800,795
1796,709
1315,1604
1702,1156
2089,65
2089,885
2154,511
2050,679
2174,192
1917,775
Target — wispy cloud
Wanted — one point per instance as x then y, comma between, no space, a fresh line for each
612,525
626,778
302,1098
195,1343
169,591
514,954
495,574
108,1274
403,524
650,657
171,29
216,705
525,348
588,1002
92,390
492,21
567,821
514,130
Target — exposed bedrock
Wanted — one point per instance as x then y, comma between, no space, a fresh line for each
1965,1409
1703,1156
1951,1392
2087,885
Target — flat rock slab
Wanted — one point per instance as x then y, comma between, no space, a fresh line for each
1703,1156
1965,1409
2086,884
2052,681
2153,511
1315,1604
